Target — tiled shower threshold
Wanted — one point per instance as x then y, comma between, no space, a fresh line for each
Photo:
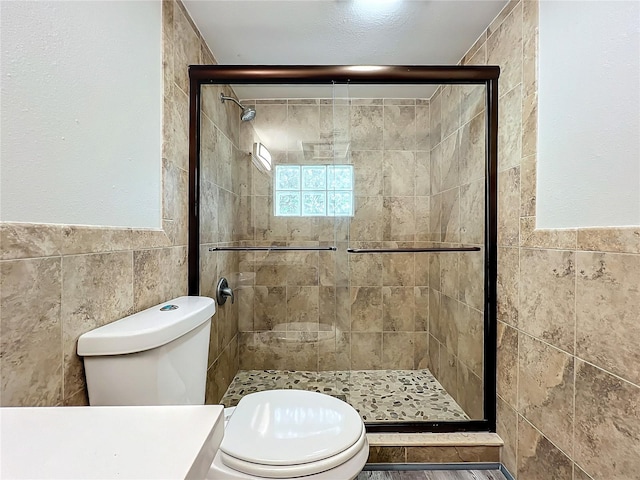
378,395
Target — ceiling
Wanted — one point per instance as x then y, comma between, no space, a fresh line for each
340,32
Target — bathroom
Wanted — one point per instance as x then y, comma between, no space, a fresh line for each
80,277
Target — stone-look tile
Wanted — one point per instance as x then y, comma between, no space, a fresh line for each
504,48
397,350
449,279
452,454
607,436
421,350
167,45
508,285
175,128
615,239
368,172
508,207
271,126
421,314
78,399
435,217
450,109
528,186
243,226
302,351
186,48
366,351
510,131
31,344
508,364
386,455
208,151
507,428
471,338
473,52
303,125
398,268
470,392
158,275
434,271
399,173
96,290
545,390
472,97
449,162
445,324
607,312
241,172
267,226
434,356
208,213
472,213
399,127
398,308
366,309
423,139
367,127
529,122
435,118
471,278
423,173
335,353
530,237
399,218
449,372
302,307
25,240
579,474
538,457
435,166
472,150
423,219
368,222
302,269
450,218
365,270
547,296
269,307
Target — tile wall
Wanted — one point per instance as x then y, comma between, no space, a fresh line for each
59,281
568,301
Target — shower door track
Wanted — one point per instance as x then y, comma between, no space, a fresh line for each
413,250
486,75
271,249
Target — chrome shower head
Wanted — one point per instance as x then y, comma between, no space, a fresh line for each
248,113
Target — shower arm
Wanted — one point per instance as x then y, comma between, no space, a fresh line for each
223,97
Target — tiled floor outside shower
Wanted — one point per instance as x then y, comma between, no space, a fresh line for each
378,395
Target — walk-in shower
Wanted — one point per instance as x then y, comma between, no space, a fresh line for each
363,261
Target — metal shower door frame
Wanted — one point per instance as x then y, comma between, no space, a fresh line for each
376,74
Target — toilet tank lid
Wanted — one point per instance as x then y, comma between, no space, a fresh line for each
150,328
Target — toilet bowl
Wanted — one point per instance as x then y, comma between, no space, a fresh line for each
159,357
291,434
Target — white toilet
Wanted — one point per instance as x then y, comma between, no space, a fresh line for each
159,357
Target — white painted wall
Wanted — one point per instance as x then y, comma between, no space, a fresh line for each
81,112
589,114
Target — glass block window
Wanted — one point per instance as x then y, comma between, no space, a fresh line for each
314,190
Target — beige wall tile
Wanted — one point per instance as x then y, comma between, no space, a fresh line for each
508,364
366,309
507,428
303,125
367,127
450,218
448,375
471,273
470,392
24,240
450,109
399,173
508,285
547,296
607,312
303,307
546,389
368,171
528,186
471,339
508,216
530,237
386,455
366,351
607,424
421,316
421,351
269,307
398,350
158,275
615,239
449,161
423,139
434,356
423,173
538,457
435,118
398,307
472,150
399,218
367,223
96,290
435,166
399,127
472,213
398,269
504,48
510,131
31,343
452,454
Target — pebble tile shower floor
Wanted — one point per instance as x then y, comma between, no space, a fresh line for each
378,395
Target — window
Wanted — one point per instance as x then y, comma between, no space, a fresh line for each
314,190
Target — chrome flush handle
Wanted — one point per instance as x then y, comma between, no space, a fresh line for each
223,291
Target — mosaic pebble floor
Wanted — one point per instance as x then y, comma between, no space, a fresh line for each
378,395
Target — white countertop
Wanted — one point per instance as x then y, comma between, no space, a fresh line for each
109,442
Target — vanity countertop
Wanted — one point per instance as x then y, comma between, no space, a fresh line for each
109,442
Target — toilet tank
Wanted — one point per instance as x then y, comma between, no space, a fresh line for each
154,357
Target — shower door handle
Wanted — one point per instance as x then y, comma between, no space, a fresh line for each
223,291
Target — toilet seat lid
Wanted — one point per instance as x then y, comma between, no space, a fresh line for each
290,427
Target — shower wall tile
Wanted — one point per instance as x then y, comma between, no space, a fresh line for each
472,150
619,239
435,118
449,162
398,269
366,309
399,173
507,428
186,46
399,127
435,166
366,351
398,350
423,173
471,278
368,171
27,240
470,392
508,218
450,109
421,351
367,127
450,216
530,237
510,132
303,125
472,213
528,186
423,131
398,307
365,270
423,219
508,364
470,339
367,223
399,218
508,285
504,48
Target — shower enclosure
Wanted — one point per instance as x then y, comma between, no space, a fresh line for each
360,246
